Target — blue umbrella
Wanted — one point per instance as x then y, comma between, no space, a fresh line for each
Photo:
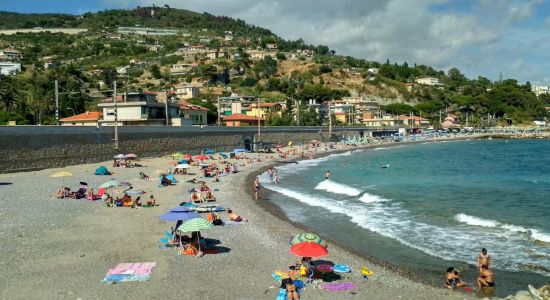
179,216
183,161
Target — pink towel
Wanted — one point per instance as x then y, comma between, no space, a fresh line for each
144,268
336,287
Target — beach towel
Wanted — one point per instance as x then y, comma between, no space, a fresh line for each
339,287
227,222
282,292
130,272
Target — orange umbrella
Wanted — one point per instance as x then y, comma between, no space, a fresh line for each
201,157
173,163
307,249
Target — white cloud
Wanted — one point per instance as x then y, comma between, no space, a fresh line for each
401,30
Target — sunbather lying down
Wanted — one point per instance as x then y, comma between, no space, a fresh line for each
234,217
196,197
208,196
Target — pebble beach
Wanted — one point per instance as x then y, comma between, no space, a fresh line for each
62,248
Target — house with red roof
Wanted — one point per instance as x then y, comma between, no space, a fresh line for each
89,118
196,113
236,120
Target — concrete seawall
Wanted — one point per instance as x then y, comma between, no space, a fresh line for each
27,148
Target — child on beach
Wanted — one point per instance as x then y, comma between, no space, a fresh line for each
151,201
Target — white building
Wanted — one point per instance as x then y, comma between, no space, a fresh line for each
186,92
138,109
540,89
10,54
9,68
428,81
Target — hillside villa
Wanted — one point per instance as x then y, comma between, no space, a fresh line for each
197,114
236,120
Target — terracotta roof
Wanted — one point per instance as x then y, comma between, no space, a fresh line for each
184,105
241,117
87,116
339,113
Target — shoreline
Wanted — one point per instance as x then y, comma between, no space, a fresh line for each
278,213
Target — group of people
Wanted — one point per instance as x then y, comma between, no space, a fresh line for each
486,278
273,175
204,193
126,201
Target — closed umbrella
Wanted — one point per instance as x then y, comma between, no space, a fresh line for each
307,249
307,237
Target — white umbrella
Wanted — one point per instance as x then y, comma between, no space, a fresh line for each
182,166
120,156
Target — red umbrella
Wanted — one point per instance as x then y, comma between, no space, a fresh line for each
187,156
201,157
307,249
173,163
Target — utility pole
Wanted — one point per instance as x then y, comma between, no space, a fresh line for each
56,103
219,112
329,123
116,115
258,112
440,117
166,111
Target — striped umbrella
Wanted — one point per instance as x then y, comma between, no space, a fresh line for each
307,237
196,224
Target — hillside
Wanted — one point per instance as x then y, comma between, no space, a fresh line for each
235,57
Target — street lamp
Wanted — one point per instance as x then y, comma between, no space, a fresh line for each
71,110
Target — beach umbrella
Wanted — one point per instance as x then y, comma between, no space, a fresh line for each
177,154
307,249
182,166
174,216
195,224
173,163
201,157
187,156
307,237
131,155
183,161
111,184
120,156
61,174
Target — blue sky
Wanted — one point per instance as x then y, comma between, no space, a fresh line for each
480,37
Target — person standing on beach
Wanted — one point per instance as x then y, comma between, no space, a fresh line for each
276,175
256,188
270,173
483,259
327,175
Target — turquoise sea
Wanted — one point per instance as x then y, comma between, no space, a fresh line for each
435,206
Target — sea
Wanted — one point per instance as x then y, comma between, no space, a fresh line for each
435,205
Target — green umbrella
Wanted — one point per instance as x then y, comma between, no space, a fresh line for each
110,184
196,224
307,237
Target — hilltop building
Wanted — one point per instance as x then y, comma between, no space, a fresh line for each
540,89
8,68
431,81
10,54
89,118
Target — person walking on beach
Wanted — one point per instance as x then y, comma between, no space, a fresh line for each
483,259
327,175
256,188
275,176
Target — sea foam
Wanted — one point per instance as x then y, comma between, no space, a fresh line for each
337,188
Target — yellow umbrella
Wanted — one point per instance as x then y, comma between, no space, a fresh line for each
61,174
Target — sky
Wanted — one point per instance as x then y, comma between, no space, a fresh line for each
479,37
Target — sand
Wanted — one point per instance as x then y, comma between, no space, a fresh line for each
62,249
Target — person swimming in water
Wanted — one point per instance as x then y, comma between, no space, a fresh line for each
327,175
